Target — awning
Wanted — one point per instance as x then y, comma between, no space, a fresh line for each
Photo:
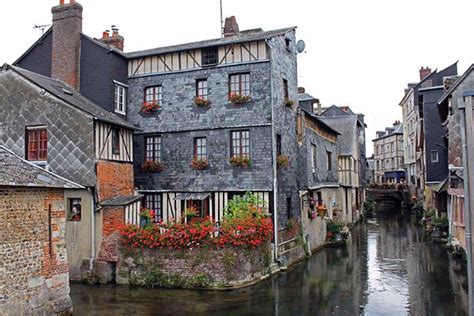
456,192
192,196
121,200
439,187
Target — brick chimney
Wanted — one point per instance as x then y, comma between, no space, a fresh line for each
301,90
114,39
424,72
66,47
231,27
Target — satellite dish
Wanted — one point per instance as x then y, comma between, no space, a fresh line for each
300,46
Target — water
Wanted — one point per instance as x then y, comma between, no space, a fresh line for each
387,268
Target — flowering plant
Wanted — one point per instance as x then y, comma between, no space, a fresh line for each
150,106
238,229
152,166
289,102
199,164
201,101
237,98
336,227
190,212
313,215
283,161
240,161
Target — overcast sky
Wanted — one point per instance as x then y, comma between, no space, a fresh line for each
358,53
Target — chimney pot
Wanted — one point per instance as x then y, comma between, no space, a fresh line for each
424,72
231,27
61,2
105,35
301,90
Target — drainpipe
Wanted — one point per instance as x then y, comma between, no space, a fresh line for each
274,165
91,262
468,175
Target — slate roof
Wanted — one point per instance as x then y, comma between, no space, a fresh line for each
397,129
70,96
319,121
244,36
456,84
121,200
306,97
346,125
18,172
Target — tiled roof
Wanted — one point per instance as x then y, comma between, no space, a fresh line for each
71,96
16,171
242,37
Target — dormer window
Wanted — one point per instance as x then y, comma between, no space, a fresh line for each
120,97
209,56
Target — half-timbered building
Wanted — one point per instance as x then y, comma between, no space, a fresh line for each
53,126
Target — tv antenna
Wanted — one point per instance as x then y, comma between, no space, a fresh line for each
222,21
41,27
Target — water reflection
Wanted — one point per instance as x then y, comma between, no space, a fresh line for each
386,269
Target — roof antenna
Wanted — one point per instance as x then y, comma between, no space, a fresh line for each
222,21
41,27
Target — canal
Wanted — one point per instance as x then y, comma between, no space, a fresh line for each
387,268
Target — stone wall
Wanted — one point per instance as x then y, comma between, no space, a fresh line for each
194,268
34,274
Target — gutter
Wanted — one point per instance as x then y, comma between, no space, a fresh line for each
274,163
466,140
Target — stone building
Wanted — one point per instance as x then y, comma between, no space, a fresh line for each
351,160
388,155
75,125
34,275
318,173
51,125
227,103
449,107
423,124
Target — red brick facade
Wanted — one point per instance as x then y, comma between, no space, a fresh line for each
114,179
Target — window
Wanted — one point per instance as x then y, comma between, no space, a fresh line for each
285,89
153,148
209,56
288,44
37,144
120,98
115,141
329,156
201,207
434,156
239,84
200,148
314,157
74,210
289,213
154,95
201,88
278,144
153,202
240,143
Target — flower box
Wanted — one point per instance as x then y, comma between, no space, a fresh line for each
199,164
240,161
289,102
149,107
235,98
283,161
201,102
152,166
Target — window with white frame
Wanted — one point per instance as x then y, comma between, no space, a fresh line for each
153,148
434,156
120,98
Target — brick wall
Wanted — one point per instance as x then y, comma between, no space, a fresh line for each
114,179
34,274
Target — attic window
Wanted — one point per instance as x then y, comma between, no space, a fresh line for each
209,56
288,44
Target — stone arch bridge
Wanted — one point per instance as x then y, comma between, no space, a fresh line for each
392,197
